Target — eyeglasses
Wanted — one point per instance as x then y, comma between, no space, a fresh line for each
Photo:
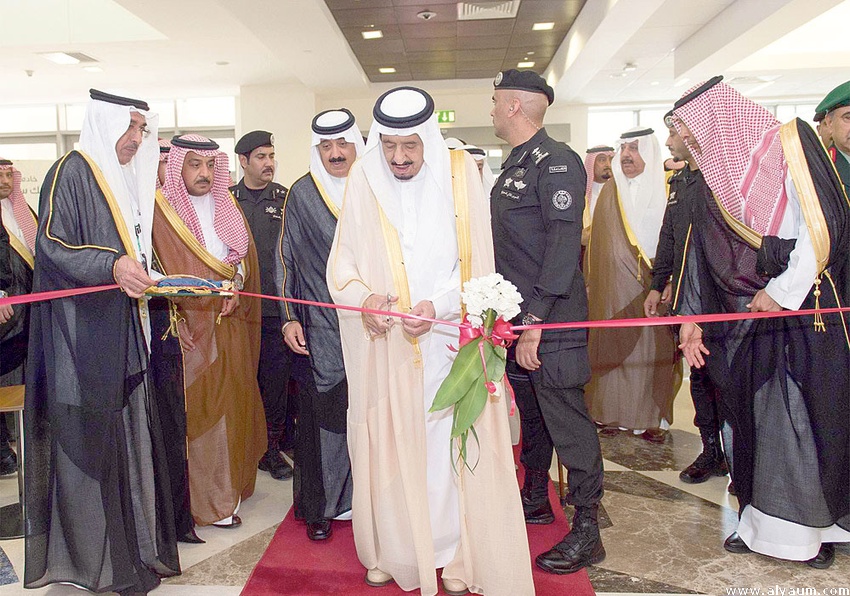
143,130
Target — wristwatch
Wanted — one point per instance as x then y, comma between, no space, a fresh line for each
530,319
4,294
237,283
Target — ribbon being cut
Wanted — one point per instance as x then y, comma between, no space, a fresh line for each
479,369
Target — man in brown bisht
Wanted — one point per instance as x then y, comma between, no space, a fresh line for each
200,231
635,372
414,225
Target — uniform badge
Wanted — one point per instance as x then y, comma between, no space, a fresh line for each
557,169
671,200
519,184
508,182
538,155
519,173
271,210
562,200
497,80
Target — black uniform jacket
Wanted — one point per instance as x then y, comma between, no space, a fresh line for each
536,207
264,217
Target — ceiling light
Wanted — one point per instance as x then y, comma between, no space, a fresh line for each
375,34
617,75
654,83
386,70
426,15
630,67
92,69
524,64
543,26
529,53
59,57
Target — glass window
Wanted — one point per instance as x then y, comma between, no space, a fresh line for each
605,127
21,151
165,109
27,118
74,114
206,112
228,145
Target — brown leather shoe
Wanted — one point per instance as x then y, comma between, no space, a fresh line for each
654,435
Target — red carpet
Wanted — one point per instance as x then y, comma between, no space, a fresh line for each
293,564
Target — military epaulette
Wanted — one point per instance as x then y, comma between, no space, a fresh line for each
538,155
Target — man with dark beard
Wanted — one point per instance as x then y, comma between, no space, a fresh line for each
261,200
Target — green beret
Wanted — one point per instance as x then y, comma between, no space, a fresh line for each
837,98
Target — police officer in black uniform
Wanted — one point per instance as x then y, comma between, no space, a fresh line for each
261,200
687,187
536,207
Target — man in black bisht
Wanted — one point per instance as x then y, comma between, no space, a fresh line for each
686,188
537,205
773,237
261,200
322,489
98,508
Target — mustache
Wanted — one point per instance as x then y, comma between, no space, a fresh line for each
268,169
202,180
339,159
404,163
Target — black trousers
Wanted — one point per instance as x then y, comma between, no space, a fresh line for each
553,413
707,404
273,378
317,412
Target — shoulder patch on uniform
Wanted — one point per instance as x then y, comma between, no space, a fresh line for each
562,200
556,169
538,155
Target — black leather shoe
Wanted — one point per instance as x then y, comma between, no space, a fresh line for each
191,537
703,468
576,551
539,513
319,530
580,548
824,558
735,544
535,497
273,463
8,462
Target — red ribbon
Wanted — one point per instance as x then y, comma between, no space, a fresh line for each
502,330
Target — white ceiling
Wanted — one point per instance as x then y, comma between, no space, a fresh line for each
160,49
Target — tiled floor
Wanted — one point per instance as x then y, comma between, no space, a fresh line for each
662,536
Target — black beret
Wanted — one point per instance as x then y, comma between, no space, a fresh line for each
117,99
404,120
697,92
524,80
190,144
252,140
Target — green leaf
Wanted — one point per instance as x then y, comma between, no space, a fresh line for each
469,408
495,356
465,370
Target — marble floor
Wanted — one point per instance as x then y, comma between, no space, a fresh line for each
662,536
